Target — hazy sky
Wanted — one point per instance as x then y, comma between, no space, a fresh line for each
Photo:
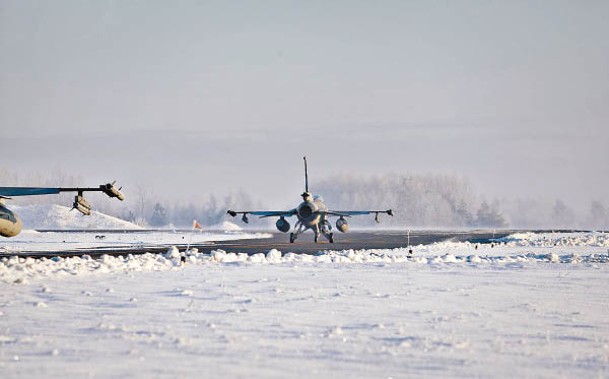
192,97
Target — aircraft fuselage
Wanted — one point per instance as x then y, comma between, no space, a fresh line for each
308,212
311,215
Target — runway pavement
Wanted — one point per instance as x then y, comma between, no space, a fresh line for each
353,240
356,240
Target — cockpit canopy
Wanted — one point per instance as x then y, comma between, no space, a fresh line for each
307,196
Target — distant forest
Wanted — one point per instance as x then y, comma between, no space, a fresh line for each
418,201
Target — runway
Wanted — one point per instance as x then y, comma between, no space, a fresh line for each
356,240
353,240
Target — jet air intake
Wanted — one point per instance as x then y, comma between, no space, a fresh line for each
282,225
305,210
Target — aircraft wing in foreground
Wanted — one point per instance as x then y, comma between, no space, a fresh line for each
10,224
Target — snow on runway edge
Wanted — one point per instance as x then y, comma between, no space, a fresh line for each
574,248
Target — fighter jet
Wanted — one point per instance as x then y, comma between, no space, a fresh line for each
312,214
10,224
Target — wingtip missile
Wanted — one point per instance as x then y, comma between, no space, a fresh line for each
376,215
110,190
244,218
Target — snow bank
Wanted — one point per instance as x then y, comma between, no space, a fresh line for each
574,248
31,241
52,216
557,239
226,226
21,270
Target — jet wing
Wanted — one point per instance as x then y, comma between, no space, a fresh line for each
108,189
358,213
27,191
264,214
355,213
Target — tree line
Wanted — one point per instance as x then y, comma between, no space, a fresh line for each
418,201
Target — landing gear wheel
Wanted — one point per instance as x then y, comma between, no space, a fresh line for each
292,237
316,238
331,237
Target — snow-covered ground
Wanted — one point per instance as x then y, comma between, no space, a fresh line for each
32,241
53,216
57,217
530,306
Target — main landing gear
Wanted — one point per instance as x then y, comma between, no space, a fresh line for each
324,230
298,228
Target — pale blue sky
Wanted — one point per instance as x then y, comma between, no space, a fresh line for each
219,95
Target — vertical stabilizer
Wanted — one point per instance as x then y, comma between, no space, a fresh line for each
306,175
